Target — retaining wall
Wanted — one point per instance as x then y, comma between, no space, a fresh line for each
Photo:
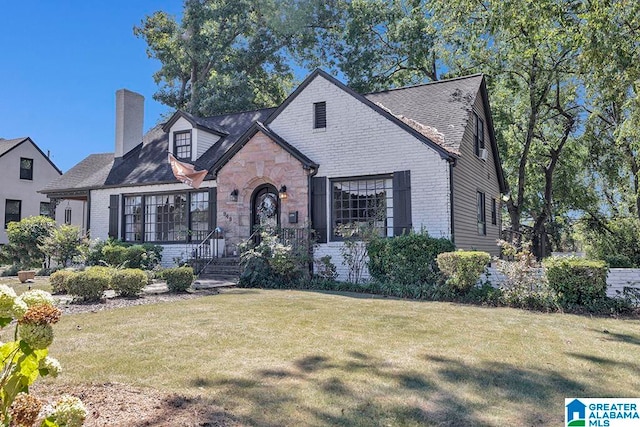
617,280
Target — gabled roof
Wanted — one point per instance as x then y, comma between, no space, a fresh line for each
196,122
260,127
6,145
235,124
385,112
445,105
147,163
435,113
91,172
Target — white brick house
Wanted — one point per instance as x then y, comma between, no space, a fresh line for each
422,157
25,170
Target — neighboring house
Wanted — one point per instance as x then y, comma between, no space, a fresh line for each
416,158
25,170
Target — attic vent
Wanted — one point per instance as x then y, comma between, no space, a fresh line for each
319,115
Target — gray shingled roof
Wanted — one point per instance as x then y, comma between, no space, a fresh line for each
9,144
443,105
147,163
91,172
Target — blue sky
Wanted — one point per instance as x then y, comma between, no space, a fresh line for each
60,65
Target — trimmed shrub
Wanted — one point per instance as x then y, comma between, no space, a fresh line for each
94,257
59,280
463,268
122,254
129,282
577,282
407,259
178,279
90,284
114,255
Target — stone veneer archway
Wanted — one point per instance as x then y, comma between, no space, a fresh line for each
260,161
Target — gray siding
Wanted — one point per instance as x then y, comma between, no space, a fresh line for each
471,175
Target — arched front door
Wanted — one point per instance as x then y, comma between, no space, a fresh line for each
265,207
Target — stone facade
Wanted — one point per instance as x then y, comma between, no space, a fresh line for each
260,161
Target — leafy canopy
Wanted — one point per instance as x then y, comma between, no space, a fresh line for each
225,55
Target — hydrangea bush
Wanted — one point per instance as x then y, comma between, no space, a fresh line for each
26,358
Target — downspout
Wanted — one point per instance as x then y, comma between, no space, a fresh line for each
314,172
88,208
452,164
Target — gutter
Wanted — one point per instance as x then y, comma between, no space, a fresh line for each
452,164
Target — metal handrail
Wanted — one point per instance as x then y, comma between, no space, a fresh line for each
198,251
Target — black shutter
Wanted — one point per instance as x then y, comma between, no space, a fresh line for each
401,203
319,207
114,200
213,208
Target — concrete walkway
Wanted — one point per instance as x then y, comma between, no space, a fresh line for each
201,284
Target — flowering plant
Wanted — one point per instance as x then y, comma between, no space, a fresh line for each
26,358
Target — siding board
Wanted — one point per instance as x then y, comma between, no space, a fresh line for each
471,175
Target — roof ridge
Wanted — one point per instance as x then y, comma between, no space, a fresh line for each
20,138
425,84
238,112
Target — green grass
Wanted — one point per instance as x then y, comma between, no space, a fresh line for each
304,358
13,282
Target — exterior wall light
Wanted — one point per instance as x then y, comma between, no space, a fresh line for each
282,193
234,195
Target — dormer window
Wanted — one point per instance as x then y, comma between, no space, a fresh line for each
320,115
182,145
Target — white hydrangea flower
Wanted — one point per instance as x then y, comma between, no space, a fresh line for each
52,365
37,336
7,299
19,308
37,296
69,411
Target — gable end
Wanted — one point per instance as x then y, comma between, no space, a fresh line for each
386,114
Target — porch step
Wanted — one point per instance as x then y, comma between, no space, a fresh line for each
222,269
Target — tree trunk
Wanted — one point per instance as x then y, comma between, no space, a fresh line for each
539,227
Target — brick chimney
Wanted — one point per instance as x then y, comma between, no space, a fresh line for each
129,121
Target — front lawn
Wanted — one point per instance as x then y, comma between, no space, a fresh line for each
40,282
306,358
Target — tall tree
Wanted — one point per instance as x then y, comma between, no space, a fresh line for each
225,55
611,68
377,44
530,51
